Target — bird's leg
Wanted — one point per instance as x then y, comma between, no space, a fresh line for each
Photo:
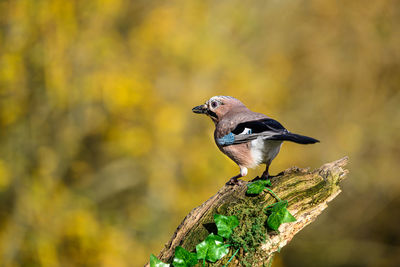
234,179
265,174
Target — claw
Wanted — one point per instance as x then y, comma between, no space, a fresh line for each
233,181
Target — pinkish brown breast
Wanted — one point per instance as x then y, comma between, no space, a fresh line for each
240,154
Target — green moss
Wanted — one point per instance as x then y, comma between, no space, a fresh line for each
313,192
252,230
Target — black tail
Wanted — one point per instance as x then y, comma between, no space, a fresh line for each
297,138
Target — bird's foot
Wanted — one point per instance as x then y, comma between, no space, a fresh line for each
233,181
263,177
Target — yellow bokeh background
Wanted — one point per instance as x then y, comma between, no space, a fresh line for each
101,156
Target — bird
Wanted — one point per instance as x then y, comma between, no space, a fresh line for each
246,137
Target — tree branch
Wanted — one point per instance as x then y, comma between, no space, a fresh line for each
307,193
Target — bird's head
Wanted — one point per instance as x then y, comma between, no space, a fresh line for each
217,106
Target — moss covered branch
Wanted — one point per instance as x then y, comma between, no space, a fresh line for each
306,191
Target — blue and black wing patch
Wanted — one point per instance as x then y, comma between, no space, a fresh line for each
233,139
268,129
226,140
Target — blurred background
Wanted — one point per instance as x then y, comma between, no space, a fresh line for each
101,157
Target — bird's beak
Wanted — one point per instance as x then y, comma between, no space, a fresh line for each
202,109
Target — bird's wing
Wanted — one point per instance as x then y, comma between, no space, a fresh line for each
246,131
259,126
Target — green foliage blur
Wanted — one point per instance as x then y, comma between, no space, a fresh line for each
101,156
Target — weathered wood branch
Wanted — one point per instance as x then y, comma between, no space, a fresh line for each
307,192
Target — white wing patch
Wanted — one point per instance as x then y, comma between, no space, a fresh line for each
246,131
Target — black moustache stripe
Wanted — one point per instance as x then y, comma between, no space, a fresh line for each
212,114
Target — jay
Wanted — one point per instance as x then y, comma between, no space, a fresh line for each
246,137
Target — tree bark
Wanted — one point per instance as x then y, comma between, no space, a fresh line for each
307,193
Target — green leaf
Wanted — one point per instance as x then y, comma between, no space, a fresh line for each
279,214
279,206
212,248
225,224
210,242
184,258
155,262
257,187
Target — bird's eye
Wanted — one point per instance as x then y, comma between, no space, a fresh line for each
214,104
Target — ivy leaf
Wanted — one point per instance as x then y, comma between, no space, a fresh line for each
225,224
155,262
212,248
184,258
279,206
279,214
257,187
